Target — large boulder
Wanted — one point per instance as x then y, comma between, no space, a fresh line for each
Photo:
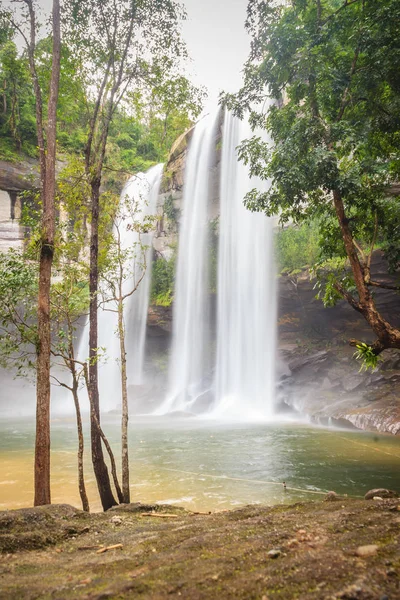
380,493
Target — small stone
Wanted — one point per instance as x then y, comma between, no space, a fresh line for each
391,573
377,498
85,581
274,553
116,520
293,542
368,550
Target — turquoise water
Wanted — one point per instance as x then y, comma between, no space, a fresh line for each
204,465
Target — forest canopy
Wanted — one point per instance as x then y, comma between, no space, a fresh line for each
162,105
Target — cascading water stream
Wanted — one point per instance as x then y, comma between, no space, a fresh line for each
246,305
138,303
142,189
190,360
244,366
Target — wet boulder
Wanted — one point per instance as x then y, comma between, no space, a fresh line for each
380,493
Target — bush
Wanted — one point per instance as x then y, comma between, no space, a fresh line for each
163,279
297,246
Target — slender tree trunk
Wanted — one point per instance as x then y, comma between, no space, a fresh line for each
81,446
42,445
99,465
81,478
125,413
48,177
103,437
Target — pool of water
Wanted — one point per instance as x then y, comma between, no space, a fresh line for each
204,465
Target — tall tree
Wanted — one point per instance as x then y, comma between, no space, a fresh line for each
24,20
118,39
323,79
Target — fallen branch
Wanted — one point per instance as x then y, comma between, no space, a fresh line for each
106,548
193,513
159,515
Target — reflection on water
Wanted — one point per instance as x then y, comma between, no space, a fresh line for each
207,466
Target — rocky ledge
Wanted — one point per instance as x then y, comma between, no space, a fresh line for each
344,549
327,386
319,374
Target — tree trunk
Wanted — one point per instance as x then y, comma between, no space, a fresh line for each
99,465
81,478
48,177
388,336
125,412
103,438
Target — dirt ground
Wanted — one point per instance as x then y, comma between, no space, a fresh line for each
348,549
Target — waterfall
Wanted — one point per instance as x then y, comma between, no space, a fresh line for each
189,362
138,304
246,304
238,380
143,189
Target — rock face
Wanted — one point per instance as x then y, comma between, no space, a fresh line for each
171,194
20,176
12,233
320,376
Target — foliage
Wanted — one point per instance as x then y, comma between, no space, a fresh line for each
144,126
297,247
163,280
368,358
18,292
329,274
213,254
18,295
170,211
335,124
17,115
323,79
